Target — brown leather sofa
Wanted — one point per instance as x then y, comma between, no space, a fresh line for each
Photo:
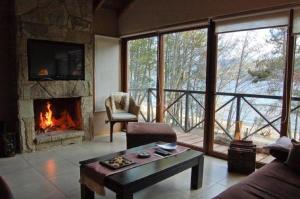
5,192
273,181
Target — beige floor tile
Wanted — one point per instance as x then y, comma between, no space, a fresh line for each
54,174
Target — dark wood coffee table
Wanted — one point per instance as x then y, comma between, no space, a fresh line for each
127,182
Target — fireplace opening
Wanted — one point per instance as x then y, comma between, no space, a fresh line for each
58,114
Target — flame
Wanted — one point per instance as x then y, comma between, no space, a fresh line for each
46,119
48,122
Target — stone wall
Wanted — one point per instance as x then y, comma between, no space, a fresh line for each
54,20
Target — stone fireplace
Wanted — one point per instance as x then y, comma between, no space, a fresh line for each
56,21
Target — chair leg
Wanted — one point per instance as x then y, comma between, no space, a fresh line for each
111,131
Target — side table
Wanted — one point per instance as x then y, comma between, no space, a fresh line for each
241,157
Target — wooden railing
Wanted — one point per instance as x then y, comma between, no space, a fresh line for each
186,97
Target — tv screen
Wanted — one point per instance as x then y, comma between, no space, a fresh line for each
48,60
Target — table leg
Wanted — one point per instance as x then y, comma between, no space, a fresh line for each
197,174
125,195
86,193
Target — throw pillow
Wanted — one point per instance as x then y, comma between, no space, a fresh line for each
125,102
117,103
280,149
293,160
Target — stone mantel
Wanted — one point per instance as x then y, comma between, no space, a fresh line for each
53,20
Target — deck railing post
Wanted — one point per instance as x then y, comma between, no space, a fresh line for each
238,108
186,117
148,104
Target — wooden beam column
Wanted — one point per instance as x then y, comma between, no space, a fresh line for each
288,78
160,79
124,66
211,73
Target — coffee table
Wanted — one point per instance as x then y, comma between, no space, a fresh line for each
127,182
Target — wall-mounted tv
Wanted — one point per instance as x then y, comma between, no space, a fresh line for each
49,60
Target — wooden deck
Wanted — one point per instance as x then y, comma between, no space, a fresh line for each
196,142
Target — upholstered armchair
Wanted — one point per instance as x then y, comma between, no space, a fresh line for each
120,107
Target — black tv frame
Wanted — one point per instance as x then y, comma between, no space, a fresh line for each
56,77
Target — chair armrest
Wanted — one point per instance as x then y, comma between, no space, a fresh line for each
108,109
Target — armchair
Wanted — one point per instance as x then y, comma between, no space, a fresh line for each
120,107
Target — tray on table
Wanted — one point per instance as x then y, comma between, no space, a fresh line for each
117,162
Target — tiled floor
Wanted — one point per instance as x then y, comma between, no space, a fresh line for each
54,174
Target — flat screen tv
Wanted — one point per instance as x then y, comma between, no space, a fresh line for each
48,60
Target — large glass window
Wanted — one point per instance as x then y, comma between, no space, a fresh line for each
142,75
294,127
185,74
250,76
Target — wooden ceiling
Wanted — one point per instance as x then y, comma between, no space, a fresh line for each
116,5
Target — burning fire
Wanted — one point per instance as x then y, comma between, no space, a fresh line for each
48,122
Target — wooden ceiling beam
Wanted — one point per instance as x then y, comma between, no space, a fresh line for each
98,4
125,7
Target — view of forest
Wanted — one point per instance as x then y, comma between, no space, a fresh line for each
249,63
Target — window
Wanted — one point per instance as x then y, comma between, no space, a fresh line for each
142,75
250,76
185,80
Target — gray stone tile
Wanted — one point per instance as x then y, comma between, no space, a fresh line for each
12,164
209,192
24,177
231,179
52,168
67,182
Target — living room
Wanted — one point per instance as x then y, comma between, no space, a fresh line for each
214,77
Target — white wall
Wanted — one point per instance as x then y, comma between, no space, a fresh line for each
107,78
107,69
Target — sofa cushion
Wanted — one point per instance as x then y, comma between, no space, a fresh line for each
293,160
280,149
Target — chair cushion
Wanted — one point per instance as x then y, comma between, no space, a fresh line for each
123,116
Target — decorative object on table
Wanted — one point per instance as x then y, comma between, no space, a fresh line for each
241,157
280,149
120,107
162,152
143,154
168,146
117,162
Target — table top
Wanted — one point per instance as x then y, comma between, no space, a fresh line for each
150,169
